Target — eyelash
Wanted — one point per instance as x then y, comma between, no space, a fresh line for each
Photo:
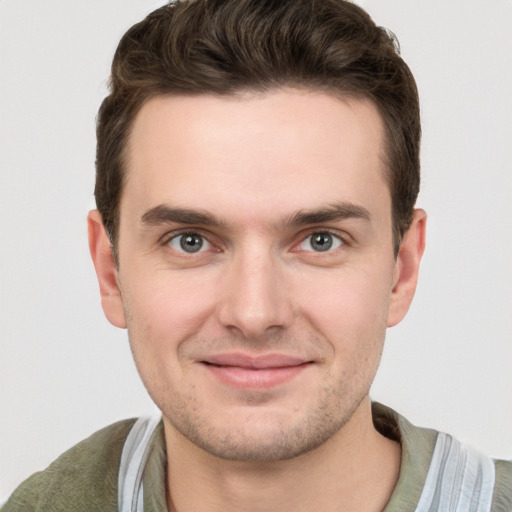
168,237
335,234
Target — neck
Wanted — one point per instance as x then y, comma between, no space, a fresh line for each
355,470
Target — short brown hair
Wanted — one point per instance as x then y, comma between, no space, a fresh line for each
226,46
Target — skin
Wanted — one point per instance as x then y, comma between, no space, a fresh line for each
256,179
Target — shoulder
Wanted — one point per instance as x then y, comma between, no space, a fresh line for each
502,499
82,478
437,469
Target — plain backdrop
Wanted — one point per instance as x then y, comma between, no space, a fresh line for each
65,372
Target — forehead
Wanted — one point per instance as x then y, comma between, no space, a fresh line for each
293,149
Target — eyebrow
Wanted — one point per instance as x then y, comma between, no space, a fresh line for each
335,212
163,214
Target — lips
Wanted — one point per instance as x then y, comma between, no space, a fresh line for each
264,372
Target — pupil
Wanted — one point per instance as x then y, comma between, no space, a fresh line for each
322,241
191,243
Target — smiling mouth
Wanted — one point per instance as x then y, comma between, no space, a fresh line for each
263,372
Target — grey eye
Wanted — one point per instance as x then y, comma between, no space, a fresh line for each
320,242
189,242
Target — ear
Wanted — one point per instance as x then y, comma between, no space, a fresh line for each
405,273
106,270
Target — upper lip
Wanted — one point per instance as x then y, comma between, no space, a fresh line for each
259,362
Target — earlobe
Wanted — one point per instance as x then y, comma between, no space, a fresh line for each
407,268
106,270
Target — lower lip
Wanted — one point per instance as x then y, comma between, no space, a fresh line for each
252,378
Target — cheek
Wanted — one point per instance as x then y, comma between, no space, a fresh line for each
166,305
161,315
349,308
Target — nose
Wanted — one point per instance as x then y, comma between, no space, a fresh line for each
255,300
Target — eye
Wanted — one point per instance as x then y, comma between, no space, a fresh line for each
189,243
320,242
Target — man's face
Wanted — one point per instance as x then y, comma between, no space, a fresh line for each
256,266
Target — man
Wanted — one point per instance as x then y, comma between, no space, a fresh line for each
257,171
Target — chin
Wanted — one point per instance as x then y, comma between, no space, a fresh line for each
260,436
